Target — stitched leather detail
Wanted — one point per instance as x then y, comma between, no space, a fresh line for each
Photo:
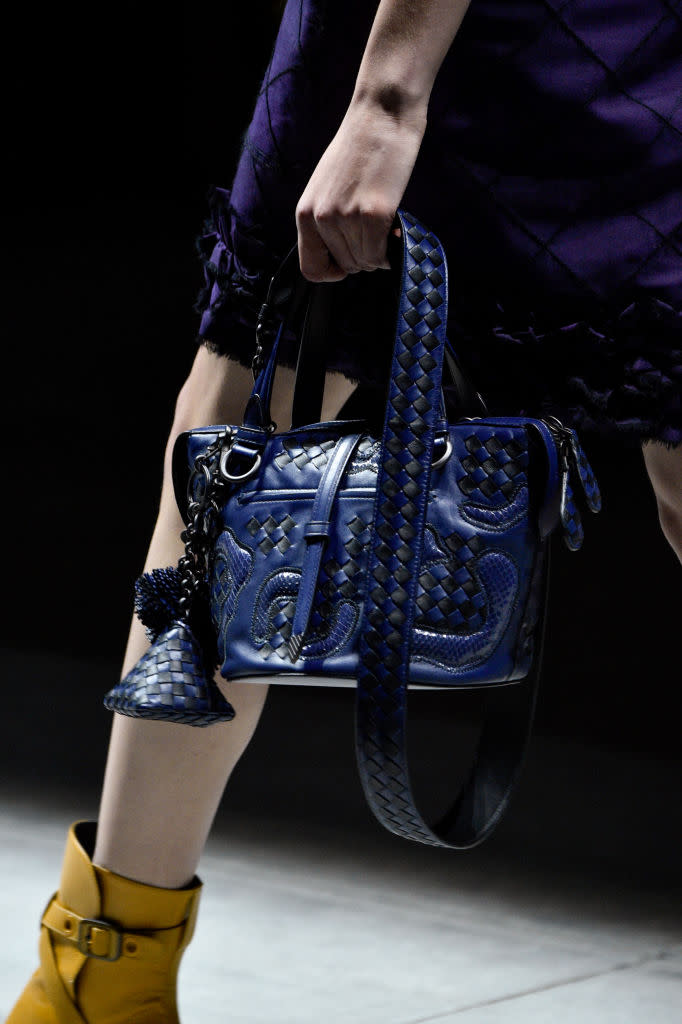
333,632
499,519
366,456
450,597
274,612
331,625
498,587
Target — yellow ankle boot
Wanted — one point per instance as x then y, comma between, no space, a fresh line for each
110,948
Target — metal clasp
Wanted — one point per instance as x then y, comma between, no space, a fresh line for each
84,939
239,477
264,326
442,459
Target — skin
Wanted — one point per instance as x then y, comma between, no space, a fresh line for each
664,466
163,782
345,213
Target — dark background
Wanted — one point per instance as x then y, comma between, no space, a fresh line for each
114,131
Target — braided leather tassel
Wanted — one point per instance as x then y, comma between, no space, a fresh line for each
170,683
173,681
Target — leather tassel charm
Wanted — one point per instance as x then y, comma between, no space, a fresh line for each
171,683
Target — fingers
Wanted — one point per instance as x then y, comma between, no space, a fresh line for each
332,243
314,256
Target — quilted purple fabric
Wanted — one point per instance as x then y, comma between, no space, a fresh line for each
551,170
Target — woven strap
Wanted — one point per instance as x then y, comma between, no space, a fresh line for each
412,414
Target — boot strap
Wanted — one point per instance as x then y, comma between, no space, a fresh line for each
102,940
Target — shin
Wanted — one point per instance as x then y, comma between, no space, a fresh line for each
163,782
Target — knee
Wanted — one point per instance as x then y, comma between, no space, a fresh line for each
215,391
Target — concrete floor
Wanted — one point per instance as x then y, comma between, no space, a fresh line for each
312,914
310,926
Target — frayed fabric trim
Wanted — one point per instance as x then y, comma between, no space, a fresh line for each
228,249
618,374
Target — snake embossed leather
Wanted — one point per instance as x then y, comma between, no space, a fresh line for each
412,557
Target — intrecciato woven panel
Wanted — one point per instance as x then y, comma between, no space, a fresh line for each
304,454
492,470
415,559
270,533
450,597
170,681
403,486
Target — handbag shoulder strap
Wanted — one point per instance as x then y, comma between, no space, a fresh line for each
412,414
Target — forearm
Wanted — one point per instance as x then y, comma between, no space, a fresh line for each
406,47
347,209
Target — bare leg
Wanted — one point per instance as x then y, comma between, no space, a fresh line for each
664,466
163,782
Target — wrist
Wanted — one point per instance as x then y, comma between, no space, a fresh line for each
392,99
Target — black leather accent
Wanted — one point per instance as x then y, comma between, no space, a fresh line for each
311,366
180,470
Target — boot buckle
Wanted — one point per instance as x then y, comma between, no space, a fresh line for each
86,938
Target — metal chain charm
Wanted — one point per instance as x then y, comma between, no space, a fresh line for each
265,328
203,492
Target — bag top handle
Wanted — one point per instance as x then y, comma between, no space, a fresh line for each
293,303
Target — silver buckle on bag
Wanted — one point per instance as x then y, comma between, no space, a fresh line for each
236,478
442,459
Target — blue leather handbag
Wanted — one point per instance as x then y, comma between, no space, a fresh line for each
408,553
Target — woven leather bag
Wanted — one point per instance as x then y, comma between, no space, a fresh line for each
407,552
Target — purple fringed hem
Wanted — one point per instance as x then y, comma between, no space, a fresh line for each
621,378
616,374
231,291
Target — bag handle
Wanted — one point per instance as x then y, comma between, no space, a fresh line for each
305,307
411,419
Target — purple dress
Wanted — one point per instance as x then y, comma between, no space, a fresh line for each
551,170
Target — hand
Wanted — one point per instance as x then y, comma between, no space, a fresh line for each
345,214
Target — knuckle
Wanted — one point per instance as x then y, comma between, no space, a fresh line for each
326,214
304,214
377,213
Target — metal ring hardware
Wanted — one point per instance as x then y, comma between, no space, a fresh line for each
239,478
446,454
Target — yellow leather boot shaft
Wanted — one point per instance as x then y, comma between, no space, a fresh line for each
110,947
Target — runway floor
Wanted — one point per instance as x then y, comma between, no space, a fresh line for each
306,927
312,914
